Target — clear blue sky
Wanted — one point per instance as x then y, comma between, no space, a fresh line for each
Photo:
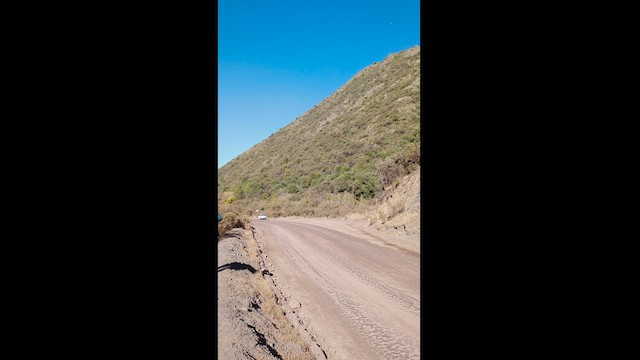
279,58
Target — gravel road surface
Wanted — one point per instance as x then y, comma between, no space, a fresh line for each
357,293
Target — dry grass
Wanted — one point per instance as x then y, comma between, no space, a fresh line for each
232,218
399,199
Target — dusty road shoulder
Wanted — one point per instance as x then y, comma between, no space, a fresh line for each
251,321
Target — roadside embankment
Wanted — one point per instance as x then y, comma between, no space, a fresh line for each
251,321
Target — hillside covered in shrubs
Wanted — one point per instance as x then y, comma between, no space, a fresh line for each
340,156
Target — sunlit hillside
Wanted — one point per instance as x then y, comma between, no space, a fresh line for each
341,155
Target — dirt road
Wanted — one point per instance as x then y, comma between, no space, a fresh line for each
358,294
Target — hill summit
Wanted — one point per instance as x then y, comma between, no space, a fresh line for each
342,155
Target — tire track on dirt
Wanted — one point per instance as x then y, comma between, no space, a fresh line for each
388,342
409,304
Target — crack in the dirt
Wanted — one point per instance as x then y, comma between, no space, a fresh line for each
263,342
323,353
279,296
254,305
249,356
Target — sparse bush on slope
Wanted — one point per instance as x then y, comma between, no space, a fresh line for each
357,142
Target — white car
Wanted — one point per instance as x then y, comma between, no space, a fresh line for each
262,217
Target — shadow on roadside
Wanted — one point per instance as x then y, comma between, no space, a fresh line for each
231,234
237,266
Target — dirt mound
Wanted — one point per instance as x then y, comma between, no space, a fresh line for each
397,215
